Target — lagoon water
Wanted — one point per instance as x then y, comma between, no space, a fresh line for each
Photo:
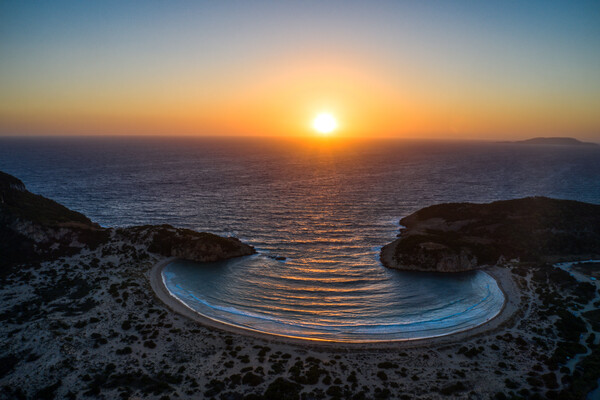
349,302
326,206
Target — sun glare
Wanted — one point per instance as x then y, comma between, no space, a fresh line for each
325,123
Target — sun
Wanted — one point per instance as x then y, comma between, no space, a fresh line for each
325,123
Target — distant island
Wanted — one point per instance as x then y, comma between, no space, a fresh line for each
555,141
463,236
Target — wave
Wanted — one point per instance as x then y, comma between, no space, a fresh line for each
469,316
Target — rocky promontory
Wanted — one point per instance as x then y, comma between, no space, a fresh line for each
34,228
458,237
89,325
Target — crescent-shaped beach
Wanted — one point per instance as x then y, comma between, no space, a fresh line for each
502,277
95,299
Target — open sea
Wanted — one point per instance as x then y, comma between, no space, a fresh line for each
326,206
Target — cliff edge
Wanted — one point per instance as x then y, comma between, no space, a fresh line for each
458,237
34,228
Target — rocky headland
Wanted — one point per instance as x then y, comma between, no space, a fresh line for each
34,228
458,237
79,319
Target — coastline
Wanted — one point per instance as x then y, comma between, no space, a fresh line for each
78,311
502,276
386,253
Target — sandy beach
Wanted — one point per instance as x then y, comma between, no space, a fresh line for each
132,330
98,322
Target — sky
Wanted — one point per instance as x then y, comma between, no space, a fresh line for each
489,70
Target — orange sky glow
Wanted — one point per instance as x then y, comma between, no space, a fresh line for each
173,76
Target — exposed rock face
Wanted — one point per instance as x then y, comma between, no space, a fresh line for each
428,256
34,228
462,236
9,182
185,243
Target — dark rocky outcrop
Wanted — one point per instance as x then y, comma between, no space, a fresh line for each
185,243
34,228
464,236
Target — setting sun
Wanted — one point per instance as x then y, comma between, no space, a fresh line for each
325,123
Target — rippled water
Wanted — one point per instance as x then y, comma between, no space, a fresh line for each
346,302
325,206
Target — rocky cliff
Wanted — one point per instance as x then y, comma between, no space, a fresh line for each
34,228
464,236
185,243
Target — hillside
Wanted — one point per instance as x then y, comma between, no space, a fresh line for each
463,236
34,228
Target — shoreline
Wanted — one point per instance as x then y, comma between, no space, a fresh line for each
502,276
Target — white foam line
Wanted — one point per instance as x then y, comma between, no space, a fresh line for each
296,336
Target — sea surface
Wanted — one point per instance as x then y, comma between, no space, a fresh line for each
327,206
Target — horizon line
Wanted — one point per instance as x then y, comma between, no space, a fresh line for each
291,136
